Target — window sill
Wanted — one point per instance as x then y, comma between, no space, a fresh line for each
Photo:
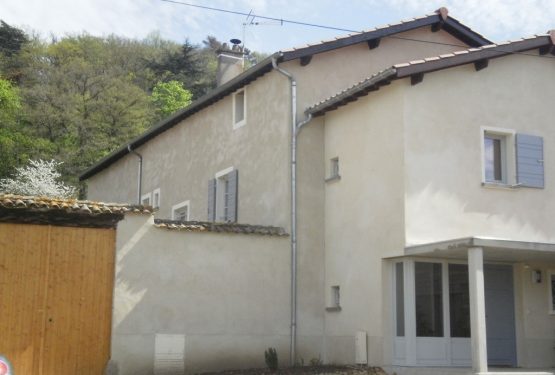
333,308
239,124
333,178
499,185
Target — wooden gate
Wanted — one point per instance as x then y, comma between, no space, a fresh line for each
56,286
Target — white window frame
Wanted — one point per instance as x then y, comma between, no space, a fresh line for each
550,309
221,179
508,155
334,169
156,205
176,207
238,124
146,196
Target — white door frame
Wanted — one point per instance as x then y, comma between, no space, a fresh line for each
411,345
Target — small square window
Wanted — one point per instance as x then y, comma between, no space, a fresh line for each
146,199
334,169
239,109
551,287
498,157
181,211
156,199
335,296
495,158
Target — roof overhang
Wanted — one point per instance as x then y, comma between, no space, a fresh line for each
416,69
495,249
440,20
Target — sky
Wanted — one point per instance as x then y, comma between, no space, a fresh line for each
498,20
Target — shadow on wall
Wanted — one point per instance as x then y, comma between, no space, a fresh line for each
227,293
460,208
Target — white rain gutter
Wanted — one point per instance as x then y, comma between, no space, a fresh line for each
295,129
140,177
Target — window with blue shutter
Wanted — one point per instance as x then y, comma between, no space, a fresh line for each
231,196
212,200
529,161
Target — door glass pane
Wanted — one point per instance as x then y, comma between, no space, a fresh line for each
459,302
400,299
429,301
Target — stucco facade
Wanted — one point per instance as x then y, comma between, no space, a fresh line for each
410,169
227,295
181,161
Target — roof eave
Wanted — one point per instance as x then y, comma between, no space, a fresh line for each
450,25
236,83
428,66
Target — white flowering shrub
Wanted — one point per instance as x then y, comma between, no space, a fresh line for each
39,178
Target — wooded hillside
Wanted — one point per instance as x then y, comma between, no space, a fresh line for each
77,98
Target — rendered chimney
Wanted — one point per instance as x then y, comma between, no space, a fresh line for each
230,62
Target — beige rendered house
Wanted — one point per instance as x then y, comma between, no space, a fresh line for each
403,221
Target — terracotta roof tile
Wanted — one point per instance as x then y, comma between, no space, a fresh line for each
319,106
31,203
202,226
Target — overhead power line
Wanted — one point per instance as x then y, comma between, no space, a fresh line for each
284,21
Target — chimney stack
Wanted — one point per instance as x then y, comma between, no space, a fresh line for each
230,61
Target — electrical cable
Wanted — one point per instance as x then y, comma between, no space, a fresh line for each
283,21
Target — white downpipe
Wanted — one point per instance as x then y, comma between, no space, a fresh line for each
140,173
295,128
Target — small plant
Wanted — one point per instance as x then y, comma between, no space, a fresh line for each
316,361
271,358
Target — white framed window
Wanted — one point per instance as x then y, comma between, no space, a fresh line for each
222,196
334,299
146,199
334,169
498,156
335,296
156,198
551,291
239,108
181,211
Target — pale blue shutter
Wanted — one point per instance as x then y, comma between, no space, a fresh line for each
231,196
212,200
529,161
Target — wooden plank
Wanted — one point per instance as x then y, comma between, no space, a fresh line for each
77,337
23,254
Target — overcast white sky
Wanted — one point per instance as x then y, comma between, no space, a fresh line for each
496,19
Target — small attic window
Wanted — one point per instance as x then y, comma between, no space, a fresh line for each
146,199
239,109
334,170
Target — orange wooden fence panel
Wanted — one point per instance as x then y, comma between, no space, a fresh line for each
56,286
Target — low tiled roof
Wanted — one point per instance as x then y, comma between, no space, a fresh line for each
431,64
64,212
203,226
12,201
440,18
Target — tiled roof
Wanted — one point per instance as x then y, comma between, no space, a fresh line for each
202,226
442,13
430,64
90,208
440,17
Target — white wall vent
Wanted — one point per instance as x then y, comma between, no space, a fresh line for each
169,354
361,354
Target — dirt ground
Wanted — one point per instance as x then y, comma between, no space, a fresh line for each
306,370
